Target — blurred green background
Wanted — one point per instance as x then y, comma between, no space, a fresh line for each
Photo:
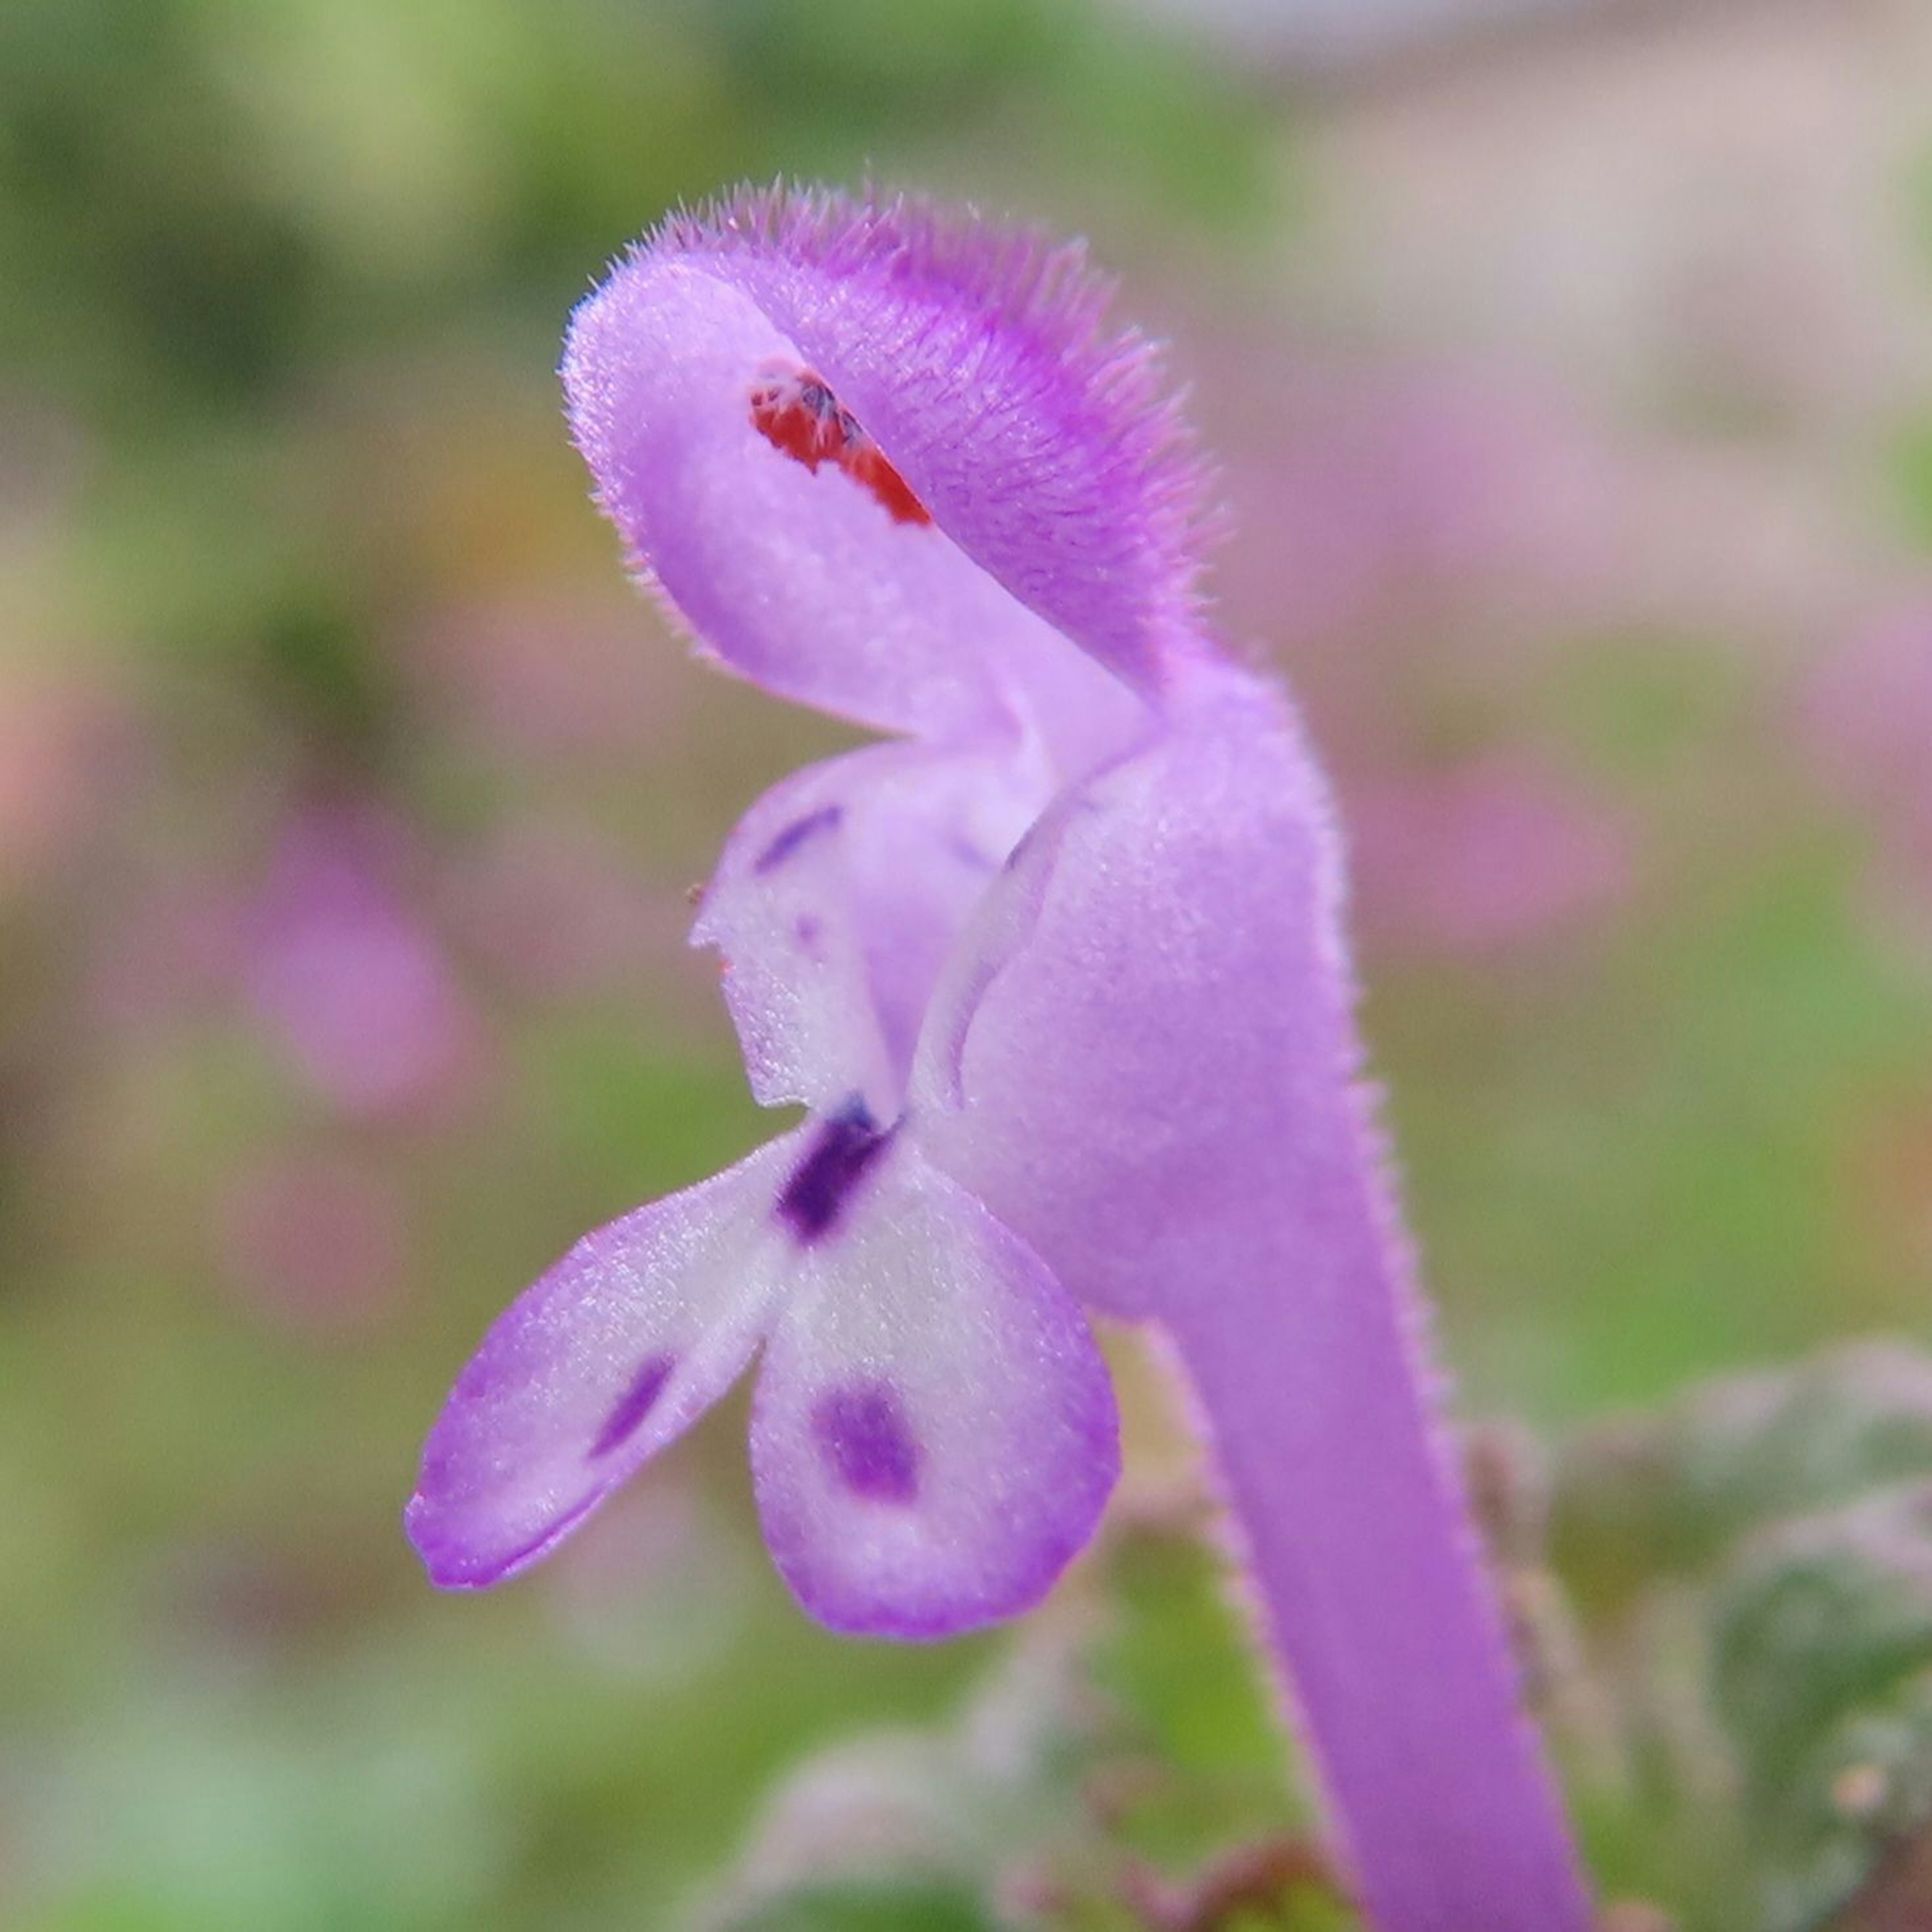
1571,379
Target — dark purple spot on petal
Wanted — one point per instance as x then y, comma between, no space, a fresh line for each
636,1402
862,1434
815,1196
795,834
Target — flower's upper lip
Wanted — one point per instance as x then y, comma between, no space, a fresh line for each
1062,493
944,330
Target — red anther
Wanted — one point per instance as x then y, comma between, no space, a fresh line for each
795,411
869,466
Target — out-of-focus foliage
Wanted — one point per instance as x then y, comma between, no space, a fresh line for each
1754,1571
1724,1614
1125,1766
1570,390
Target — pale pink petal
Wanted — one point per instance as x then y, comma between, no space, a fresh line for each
837,901
1135,1016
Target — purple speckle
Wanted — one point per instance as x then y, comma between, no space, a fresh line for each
795,834
862,1433
635,1403
815,1196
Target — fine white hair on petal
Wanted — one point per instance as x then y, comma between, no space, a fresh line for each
1021,281
1044,492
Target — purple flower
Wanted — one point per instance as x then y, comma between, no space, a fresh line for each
317,1241
1485,855
1866,718
546,672
1058,973
67,746
352,982
550,909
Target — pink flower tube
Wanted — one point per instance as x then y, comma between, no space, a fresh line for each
1058,973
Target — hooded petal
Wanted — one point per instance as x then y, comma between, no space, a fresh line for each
934,1433
837,901
616,1351
1145,1027
885,462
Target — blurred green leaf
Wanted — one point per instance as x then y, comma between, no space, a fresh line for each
1641,1498
871,1909
1822,1675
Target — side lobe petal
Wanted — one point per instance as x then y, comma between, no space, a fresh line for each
612,1353
837,901
934,1432
1148,1016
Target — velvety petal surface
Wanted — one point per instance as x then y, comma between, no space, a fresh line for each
1131,1034
616,1350
934,1432
837,901
1041,490
1145,1063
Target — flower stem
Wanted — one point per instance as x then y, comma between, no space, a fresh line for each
1310,1367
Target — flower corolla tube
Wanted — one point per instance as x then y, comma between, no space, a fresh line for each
1057,970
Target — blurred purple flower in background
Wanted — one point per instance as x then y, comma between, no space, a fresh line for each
1375,489
67,742
547,670
1867,714
316,1239
352,982
1059,974
549,906
1491,853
